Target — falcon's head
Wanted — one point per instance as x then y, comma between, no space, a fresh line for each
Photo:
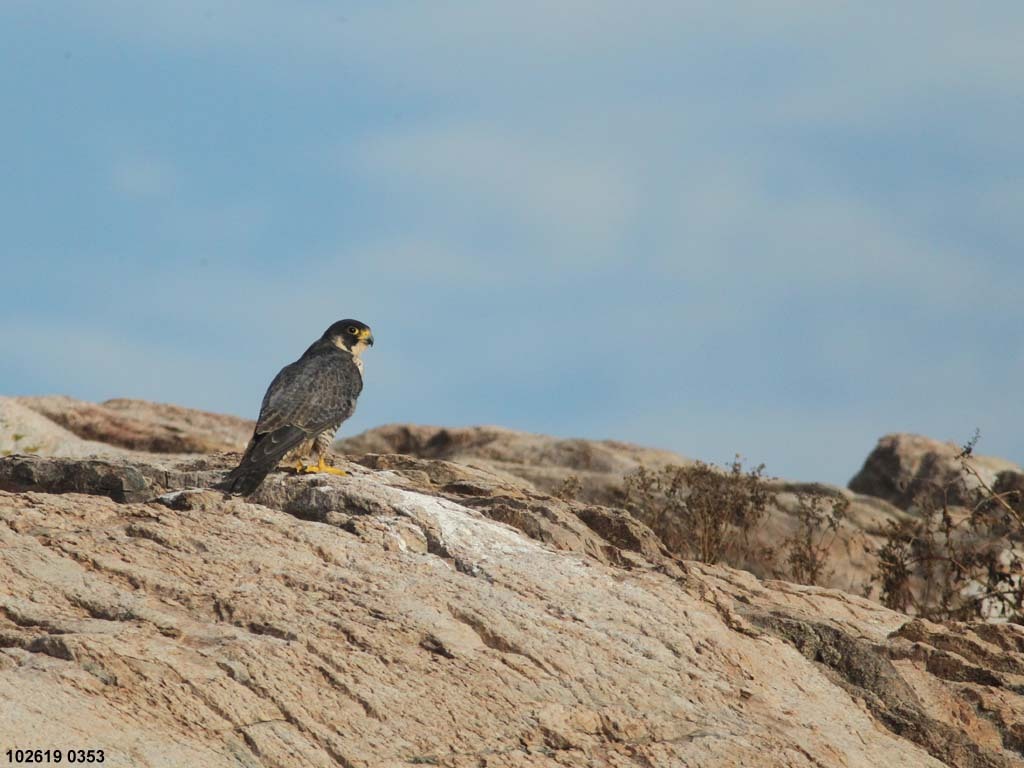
350,335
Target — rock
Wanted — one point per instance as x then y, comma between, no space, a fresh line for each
119,478
545,462
383,620
23,430
1010,484
903,466
184,483
593,530
503,469
143,426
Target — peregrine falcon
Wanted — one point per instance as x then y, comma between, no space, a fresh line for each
304,406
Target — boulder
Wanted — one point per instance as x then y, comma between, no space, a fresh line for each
903,466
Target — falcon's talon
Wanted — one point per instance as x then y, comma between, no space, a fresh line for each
321,466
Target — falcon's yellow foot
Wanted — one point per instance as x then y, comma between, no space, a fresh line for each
320,466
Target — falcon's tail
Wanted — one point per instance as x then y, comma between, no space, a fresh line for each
262,455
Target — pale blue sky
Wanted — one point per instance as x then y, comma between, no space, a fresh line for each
780,229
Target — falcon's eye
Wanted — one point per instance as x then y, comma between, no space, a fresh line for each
353,330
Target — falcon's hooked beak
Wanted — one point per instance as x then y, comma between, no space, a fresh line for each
364,339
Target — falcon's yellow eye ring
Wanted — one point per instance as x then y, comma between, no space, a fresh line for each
353,330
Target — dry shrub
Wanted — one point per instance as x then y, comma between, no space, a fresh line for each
570,489
707,513
818,520
701,511
959,557
955,562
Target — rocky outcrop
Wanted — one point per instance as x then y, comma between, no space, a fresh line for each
606,534
23,430
138,425
418,612
545,462
548,465
588,474
903,466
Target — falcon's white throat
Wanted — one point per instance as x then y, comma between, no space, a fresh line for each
356,350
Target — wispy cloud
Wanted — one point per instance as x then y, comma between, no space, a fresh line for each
143,177
548,196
